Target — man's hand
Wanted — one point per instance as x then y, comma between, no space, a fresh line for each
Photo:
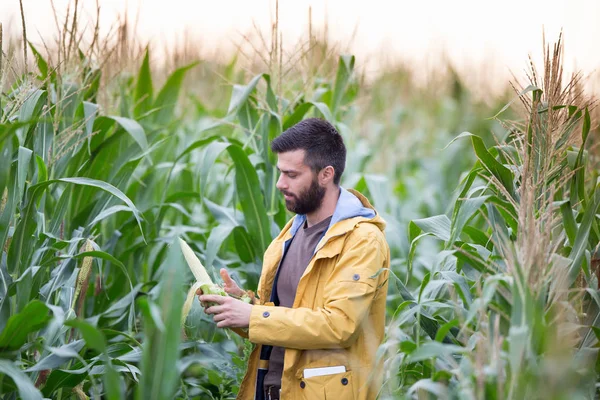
229,312
230,287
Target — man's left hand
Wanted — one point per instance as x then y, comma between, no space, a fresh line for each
229,312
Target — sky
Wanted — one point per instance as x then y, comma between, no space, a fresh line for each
499,35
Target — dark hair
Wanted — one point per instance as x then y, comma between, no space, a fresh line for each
322,142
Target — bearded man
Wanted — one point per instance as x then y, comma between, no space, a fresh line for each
319,316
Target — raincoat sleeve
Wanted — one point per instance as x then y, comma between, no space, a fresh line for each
349,293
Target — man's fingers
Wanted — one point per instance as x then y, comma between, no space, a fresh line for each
225,275
222,324
212,298
214,310
219,317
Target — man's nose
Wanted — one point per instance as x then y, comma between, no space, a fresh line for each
281,184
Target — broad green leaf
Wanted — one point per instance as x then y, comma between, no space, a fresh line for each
297,115
241,93
96,340
167,97
580,244
502,173
438,226
59,356
467,208
41,63
108,212
61,379
427,385
23,168
161,349
32,318
211,153
26,388
41,169
216,238
434,349
569,221
528,89
29,113
251,199
132,127
144,90
518,338
23,236
344,73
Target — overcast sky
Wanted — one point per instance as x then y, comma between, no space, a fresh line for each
470,31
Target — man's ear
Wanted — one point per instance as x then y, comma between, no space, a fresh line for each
326,175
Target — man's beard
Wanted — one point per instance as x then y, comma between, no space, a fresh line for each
308,201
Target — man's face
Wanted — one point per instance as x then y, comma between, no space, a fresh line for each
298,183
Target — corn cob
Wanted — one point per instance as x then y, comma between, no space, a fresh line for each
203,281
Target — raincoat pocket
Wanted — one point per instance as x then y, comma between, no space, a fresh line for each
329,387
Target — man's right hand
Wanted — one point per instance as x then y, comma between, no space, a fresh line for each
230,286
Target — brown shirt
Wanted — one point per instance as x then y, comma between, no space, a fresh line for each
291,270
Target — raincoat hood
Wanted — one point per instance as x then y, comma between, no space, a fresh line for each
351,204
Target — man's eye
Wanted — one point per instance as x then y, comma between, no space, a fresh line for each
292,176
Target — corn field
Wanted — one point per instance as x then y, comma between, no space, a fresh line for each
492,208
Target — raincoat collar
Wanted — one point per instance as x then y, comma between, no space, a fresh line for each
350,204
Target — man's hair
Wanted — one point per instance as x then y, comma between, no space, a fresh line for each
320,140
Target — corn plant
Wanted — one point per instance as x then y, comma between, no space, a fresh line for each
513,294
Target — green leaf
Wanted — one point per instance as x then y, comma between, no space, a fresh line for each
528,89
160,375
344,73
41,63
144,90
587,123
243,244
241,93
569,221
445,329
132,127
477,236
251,199
413,231
502,173
58,356
34,317
26,388
466,209
168,95
23,168
580,244
216,238
96,340
438,226
23,236
297,115
427,385
61,379
41,168
434,349
92,336
29,112
107,188
107,213
211,153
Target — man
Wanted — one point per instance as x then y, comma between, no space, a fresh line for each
322,291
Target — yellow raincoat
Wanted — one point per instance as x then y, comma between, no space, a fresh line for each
338,316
